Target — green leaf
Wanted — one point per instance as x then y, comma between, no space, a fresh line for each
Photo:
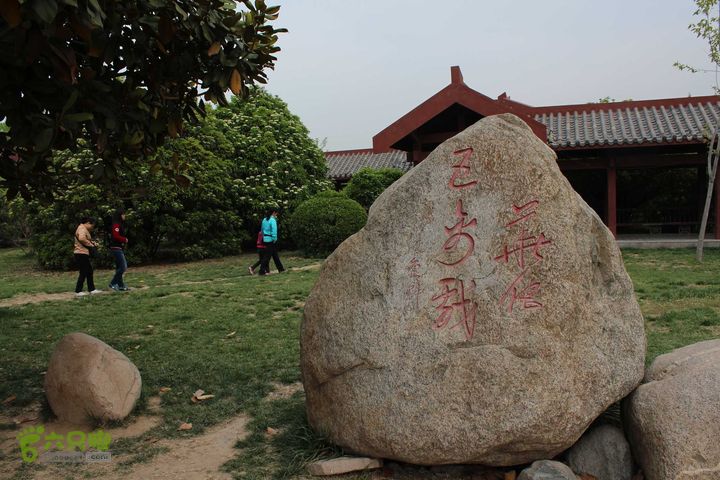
181,11
184,180
152,21
46,10
79,117
43,139
70,102
232,20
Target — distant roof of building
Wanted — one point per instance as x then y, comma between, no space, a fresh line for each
662,121
343,164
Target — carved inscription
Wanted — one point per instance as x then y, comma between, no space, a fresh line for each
454,300
526,253
414,290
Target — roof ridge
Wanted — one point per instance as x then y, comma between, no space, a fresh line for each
656,102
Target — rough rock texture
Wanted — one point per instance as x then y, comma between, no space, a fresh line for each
495,337
673,418
547,470
604,453
88,380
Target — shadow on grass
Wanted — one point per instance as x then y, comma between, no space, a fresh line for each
284,454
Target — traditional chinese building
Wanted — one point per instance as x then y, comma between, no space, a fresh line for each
640,164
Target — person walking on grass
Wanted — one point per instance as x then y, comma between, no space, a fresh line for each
118,242
261,252
83,245
270,237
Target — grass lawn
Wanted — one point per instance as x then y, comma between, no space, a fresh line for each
179,332
679,297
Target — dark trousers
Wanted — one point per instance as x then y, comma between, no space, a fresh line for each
265,255
86,272
120,268
261,252
270,252
276,260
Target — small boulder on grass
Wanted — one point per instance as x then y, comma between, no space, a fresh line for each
672,419
87,380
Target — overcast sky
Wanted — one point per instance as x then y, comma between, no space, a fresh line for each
349,68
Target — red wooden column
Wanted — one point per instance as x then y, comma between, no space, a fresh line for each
612,197
716,192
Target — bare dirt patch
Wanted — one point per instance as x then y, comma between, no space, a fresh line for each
312,267
27,299
281,390
31,418
660,307
191,458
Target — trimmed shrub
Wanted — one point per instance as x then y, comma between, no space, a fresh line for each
321,223
368,183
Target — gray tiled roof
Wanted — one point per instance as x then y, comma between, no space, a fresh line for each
630,125
343,165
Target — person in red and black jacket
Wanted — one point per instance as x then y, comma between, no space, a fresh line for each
261,253
118,241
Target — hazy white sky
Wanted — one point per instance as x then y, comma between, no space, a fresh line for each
349,68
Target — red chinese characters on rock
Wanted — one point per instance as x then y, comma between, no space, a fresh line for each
526,251
461,170
454,299
457,232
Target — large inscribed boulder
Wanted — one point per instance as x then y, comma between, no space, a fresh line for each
87,380
482,315
673,417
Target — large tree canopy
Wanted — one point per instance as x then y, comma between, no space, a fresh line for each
122,75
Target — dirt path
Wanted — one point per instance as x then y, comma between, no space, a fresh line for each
28,299
192,458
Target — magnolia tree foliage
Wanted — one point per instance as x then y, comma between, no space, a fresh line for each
275,162
122,75
179,222
239,161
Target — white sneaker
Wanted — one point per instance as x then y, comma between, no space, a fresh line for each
96,291
81,294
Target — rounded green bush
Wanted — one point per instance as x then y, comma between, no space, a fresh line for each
368,183
322,222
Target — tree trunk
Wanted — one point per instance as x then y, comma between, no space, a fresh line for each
712,164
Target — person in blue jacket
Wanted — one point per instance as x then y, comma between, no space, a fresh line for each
270,238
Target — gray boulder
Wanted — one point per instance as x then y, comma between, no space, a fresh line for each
87,380
604,453
482,315
547,470
673,418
